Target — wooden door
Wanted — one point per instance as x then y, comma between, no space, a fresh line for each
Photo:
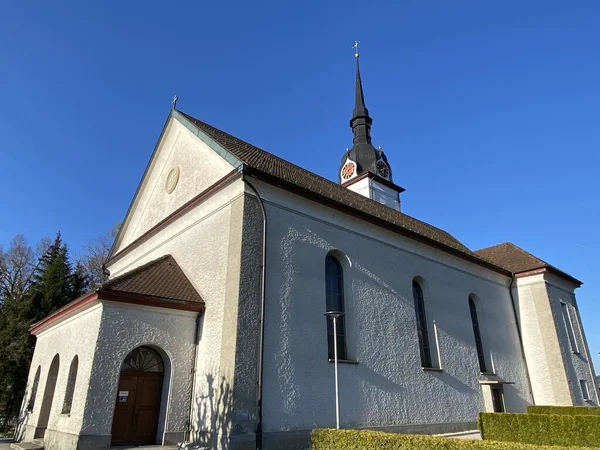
136,411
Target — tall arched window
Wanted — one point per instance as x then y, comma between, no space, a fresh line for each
34,388
477,333
66,409
422,331
334,292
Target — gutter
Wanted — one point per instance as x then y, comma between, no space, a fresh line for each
261,338
194,368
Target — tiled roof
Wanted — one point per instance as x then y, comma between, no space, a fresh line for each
159,283
161,278
517,260
267,163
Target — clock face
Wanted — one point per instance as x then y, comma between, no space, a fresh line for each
382,169
172,180
348,170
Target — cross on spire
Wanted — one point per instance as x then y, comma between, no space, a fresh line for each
355,47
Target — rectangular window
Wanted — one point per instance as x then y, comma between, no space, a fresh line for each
569,326
584,389
498,398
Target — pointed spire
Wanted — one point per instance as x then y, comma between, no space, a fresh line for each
361,121
360,110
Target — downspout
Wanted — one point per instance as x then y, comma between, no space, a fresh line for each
518,325
261,338
194,367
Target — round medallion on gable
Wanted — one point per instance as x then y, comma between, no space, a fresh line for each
348,170
172,180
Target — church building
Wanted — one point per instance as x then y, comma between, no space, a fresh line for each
212,330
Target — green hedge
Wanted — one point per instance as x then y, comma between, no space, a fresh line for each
331,439
541,429
565,410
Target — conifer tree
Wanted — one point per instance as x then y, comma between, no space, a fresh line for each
54,283
50,284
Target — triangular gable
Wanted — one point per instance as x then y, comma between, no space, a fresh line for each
184,163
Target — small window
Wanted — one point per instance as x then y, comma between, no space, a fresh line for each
498,398
34,388
477,333
422,331
334,297
569,326
584,389
68,402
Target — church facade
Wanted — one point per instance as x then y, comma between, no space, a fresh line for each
211,329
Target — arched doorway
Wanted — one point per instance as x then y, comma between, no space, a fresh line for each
138,398
48,398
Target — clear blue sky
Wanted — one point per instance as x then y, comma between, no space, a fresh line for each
488,111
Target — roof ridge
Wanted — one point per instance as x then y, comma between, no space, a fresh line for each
312,174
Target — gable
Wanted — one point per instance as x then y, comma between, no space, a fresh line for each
181,167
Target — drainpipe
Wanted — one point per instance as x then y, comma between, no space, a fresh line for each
514,308
261,342
195,363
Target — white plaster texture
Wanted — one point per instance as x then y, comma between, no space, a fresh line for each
554,367
576,360
388,385
123,328
199,167
76,335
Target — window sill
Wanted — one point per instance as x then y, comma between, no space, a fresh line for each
493,374
344,361
432,369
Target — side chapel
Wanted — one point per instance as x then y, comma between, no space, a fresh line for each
211,329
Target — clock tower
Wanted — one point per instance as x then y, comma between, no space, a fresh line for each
364,168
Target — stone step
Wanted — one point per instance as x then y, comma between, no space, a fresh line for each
32,445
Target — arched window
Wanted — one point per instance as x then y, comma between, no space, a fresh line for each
66,409
334,292
477,333
422,331
34,388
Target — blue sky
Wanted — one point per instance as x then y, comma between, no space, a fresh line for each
488,111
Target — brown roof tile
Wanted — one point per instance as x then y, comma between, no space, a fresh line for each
161,278
517,260
159,283
272,165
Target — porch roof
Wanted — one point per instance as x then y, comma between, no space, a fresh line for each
160,283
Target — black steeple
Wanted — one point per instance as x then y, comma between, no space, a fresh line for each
363,154
360,122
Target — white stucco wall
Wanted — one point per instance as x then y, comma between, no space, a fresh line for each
76,335
388,385
577,361
199,241
555,369
199,167
123,328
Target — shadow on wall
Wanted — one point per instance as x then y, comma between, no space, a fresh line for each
24,415
214,411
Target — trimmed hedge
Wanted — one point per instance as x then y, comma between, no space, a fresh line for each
565,410
542,429
332,439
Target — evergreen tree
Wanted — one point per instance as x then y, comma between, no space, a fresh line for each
54,283
50,284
